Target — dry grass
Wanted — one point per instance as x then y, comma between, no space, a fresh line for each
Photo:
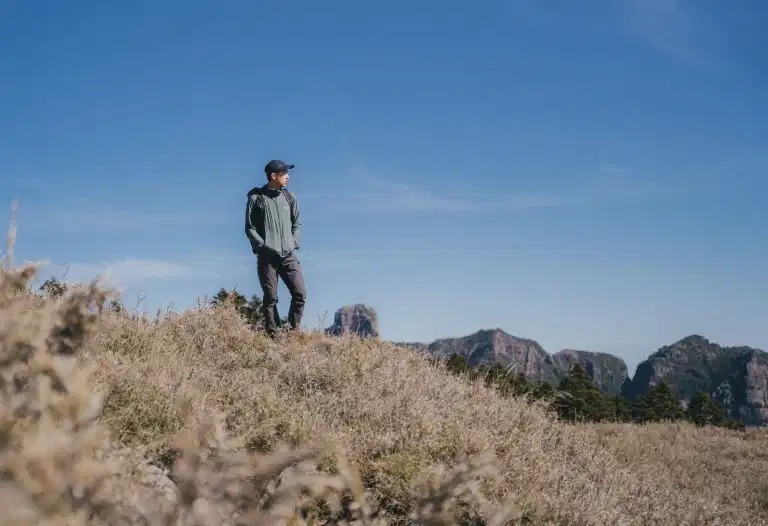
113,418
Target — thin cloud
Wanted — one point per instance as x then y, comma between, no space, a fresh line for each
90,217
64,211
388,195
678,29
384,195
609,182
125,272
667,26
349,259
375,194
614,183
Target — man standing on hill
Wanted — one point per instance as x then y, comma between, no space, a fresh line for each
273,227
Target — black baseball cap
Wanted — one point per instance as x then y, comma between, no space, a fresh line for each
276,166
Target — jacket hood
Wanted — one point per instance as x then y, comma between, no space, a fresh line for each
255,190
258,190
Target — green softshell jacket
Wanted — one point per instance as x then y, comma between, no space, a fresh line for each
272,222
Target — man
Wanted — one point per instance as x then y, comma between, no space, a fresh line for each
273,227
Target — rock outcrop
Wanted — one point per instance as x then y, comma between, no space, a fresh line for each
490,346
358,319
736,377
608,372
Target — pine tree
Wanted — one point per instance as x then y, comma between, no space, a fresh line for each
494,374
703,410
502,378
234,297
622,409
517,384
580,399
250,310
457,364
253,311
736,425
544,390
660,403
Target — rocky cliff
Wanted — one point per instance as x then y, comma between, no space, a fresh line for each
608,372
358,319
736,377
490,346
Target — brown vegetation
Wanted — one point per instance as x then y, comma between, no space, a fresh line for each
113,418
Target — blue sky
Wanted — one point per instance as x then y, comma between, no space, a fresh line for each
587,174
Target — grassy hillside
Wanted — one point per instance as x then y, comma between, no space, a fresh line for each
97,406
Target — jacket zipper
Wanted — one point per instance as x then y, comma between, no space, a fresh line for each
280,223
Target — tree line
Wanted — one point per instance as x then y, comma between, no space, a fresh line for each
577,399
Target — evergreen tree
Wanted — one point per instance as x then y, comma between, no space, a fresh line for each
660,403
622,409
736,425
508,384
250,310
703,410
233,297
253,311
457,364
544,390
519,384
581,400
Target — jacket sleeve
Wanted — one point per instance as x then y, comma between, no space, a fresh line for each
295,222
250,228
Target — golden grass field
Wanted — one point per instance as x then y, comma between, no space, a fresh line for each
195,419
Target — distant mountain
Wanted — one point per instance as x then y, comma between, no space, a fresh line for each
490,346
524,355
359,319
736,377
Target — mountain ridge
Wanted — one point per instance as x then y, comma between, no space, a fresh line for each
735,376
488,346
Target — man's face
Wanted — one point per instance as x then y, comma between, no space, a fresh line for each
281,179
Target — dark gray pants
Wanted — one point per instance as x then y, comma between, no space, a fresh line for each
270,267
